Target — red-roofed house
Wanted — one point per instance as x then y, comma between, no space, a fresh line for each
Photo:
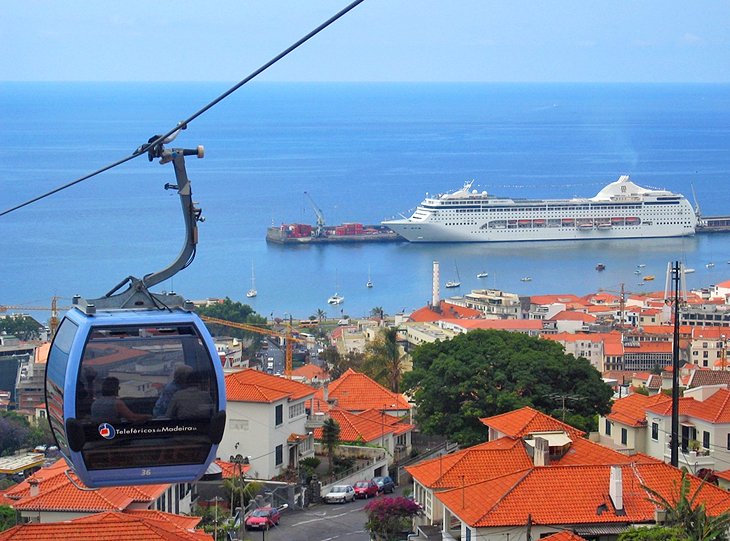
112,526
704,417
525,441
708,347
590,500
625,427
445,309
50,496
546,306
531,327
263,412
572,321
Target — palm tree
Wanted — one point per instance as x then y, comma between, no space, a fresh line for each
384,361
321,314
378,312
689,515
331,439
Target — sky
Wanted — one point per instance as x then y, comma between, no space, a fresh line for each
380,40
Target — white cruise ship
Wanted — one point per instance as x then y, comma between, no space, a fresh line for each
620,210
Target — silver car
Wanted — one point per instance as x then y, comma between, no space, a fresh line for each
340,494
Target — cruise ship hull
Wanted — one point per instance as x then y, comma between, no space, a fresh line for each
621,210
436,233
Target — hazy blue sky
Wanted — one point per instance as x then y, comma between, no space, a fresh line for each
381,40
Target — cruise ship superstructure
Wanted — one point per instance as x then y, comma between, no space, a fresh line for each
620,210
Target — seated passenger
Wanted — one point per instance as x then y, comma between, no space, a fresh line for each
180,375
112,409
192,401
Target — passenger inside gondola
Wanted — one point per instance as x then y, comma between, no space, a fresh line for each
193,401
112,409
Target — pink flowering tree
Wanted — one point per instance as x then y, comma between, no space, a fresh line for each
389,517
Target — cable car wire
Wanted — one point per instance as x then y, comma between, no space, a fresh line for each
157,140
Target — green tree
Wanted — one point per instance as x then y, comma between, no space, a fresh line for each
378,312
21,326
331,439
384,360
7,517
232,311
321,315
655,533
14,432
338,364
484,373
688,514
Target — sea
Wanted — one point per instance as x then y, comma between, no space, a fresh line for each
363,153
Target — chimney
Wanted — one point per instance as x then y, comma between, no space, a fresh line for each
616,490
34,487
541,455
325,391
436,293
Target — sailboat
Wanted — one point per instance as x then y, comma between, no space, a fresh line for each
252,292
369,283
336,298
457,282
482,274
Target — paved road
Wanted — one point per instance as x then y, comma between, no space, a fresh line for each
321,522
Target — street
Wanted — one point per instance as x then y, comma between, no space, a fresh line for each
321,522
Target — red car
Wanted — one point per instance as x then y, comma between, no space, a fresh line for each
365,489
263,518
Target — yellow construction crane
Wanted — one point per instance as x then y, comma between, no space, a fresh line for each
54,308
288,338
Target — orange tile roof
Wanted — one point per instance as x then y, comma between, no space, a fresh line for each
715,409
554,299
503,456
310,371
563,536
631,410
230,469
583,496
526,420
255,386
107,527
427,313
356,427
572,315
56,492
354,391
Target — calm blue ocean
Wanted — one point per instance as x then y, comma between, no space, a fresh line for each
364,153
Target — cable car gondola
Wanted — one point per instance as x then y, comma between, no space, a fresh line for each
134,385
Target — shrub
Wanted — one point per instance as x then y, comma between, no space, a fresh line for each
388,517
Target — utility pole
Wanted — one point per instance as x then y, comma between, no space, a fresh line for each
674,443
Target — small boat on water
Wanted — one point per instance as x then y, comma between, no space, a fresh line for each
688,270
482,274
710,265
526,279
641,265
369,283
637,271
649,278
336,299
454,283
600,267
252,292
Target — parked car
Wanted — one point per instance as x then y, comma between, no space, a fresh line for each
385,484
366,489
340,494
263,518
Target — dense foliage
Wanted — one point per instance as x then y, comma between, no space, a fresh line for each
17,433
232,311
485,373
654,533
389,518
23,327
7,517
